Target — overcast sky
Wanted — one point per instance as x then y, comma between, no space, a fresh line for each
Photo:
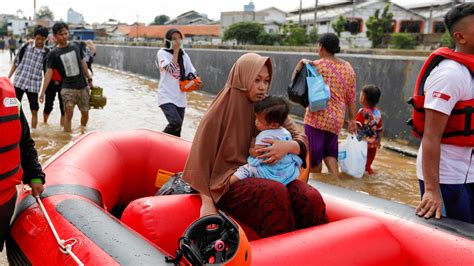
146,10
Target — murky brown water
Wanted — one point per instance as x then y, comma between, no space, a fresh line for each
132,104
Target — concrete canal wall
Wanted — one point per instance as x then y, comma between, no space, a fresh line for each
395,75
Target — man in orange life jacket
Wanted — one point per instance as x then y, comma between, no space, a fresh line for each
18,156
446,171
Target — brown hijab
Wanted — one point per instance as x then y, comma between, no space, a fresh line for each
224,136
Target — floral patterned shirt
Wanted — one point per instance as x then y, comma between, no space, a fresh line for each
341,79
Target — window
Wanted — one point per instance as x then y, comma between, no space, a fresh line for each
438,27
393,26
353,25
411,26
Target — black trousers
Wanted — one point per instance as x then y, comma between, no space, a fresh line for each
51,92
6,212
175,116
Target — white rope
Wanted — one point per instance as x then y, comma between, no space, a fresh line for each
65,245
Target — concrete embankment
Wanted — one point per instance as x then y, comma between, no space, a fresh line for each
395,75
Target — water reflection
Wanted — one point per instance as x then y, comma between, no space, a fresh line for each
132,103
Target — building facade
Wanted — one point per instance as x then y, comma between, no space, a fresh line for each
271,18
74,17
190,18
356,14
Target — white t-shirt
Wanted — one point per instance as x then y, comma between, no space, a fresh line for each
168,87
447,84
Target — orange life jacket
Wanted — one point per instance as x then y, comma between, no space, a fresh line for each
10,134
459,130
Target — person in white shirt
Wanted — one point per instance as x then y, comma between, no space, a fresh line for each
174,65
445,171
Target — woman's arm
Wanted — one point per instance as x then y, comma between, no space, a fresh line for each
278,149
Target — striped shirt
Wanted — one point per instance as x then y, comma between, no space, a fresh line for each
28,74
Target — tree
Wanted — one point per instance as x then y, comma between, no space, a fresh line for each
294,35
3,29
243,32
45,12
378,25
269,39
403,41
339,25
160,20
313,36
447,40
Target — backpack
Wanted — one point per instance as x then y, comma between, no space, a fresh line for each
22,51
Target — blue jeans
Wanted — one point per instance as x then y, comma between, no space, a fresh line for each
458,200
175,116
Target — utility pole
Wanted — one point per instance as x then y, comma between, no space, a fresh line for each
316,17
430,21
353,8
301,6
137,27
34,10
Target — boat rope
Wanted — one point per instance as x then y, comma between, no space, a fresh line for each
64,245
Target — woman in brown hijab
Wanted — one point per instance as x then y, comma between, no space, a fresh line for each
222,144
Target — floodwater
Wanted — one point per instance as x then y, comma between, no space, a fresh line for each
132,103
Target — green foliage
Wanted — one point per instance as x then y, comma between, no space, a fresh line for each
447,40
244,32
313,36
3,29
269,39
294,35
160,20
403,41
378,25
339,25
45,12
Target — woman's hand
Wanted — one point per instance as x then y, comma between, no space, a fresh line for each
277,150
299,66
176,45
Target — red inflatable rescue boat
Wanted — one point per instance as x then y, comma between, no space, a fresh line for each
99,197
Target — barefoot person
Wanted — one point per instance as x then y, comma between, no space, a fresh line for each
67,57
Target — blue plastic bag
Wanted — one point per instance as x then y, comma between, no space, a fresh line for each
318,92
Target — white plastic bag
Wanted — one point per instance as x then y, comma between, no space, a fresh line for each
353,156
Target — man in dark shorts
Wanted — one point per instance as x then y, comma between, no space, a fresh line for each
28,68
68,58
